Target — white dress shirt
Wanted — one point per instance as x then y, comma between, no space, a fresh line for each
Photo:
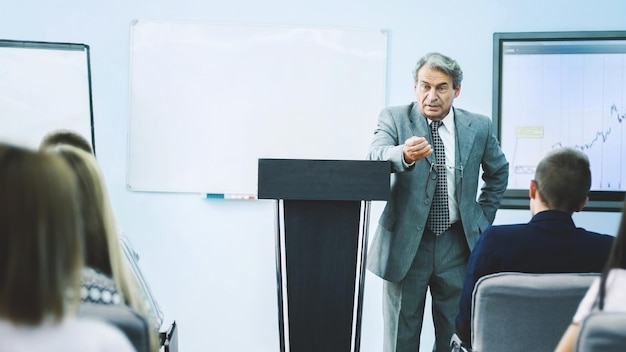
448,137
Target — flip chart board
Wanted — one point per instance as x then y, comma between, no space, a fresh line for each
208,100
43,87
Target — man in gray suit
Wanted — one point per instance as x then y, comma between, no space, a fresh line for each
434,217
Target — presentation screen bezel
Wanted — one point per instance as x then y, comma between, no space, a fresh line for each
604,41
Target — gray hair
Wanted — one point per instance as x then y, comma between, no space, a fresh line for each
441,63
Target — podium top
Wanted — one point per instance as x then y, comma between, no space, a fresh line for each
301,179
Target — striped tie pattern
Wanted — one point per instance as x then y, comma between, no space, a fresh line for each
439,216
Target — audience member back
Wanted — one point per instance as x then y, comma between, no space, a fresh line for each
107,272
103,281
41,257
550,242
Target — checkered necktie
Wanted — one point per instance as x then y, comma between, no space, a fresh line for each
439,216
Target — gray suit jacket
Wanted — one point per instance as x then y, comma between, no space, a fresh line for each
403,220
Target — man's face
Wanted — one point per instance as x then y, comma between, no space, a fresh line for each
434,92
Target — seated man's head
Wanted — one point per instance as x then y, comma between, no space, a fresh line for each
562,181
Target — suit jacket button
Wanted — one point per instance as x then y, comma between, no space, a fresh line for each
426,201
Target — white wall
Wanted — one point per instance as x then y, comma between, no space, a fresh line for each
211,263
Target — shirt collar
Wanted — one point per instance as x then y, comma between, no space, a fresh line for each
553,215
447,122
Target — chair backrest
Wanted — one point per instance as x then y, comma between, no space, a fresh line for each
603,331
525,312
129,321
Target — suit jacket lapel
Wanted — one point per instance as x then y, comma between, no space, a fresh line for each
465,135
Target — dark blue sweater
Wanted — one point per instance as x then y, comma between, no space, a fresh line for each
549,243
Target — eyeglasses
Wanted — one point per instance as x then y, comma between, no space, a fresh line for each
449,167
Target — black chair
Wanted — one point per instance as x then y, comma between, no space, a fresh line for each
169,338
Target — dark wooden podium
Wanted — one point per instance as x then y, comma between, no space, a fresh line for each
321,241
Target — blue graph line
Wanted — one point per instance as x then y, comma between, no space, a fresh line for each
614,110
600,134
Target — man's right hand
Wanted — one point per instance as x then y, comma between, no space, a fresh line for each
416,148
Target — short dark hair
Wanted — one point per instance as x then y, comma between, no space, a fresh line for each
65,137
563,178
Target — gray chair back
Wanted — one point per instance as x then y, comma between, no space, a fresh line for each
134,325
525,312
603,331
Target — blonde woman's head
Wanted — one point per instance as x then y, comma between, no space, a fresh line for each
101,238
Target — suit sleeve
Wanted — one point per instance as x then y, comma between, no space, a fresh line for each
386,144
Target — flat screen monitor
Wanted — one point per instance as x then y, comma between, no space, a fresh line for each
553,89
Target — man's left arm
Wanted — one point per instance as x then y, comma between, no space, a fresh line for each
495,176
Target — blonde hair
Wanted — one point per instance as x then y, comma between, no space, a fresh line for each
41,248
102,244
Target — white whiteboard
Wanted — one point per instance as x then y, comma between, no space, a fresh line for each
208,100
43,87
